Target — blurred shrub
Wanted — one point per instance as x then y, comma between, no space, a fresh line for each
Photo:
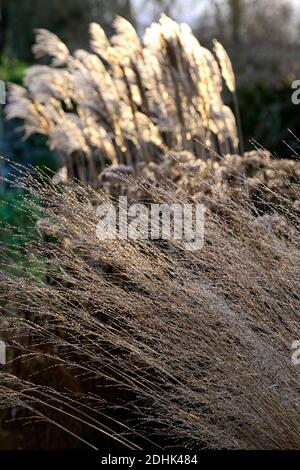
14,214
12,69
267,114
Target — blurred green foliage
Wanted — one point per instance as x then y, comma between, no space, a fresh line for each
267,114
10,210
12,69
13,213
17,227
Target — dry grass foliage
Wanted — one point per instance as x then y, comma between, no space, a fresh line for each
142,343
258,174
129,101
137,341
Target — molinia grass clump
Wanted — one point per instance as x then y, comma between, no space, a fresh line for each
144,343
128,101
